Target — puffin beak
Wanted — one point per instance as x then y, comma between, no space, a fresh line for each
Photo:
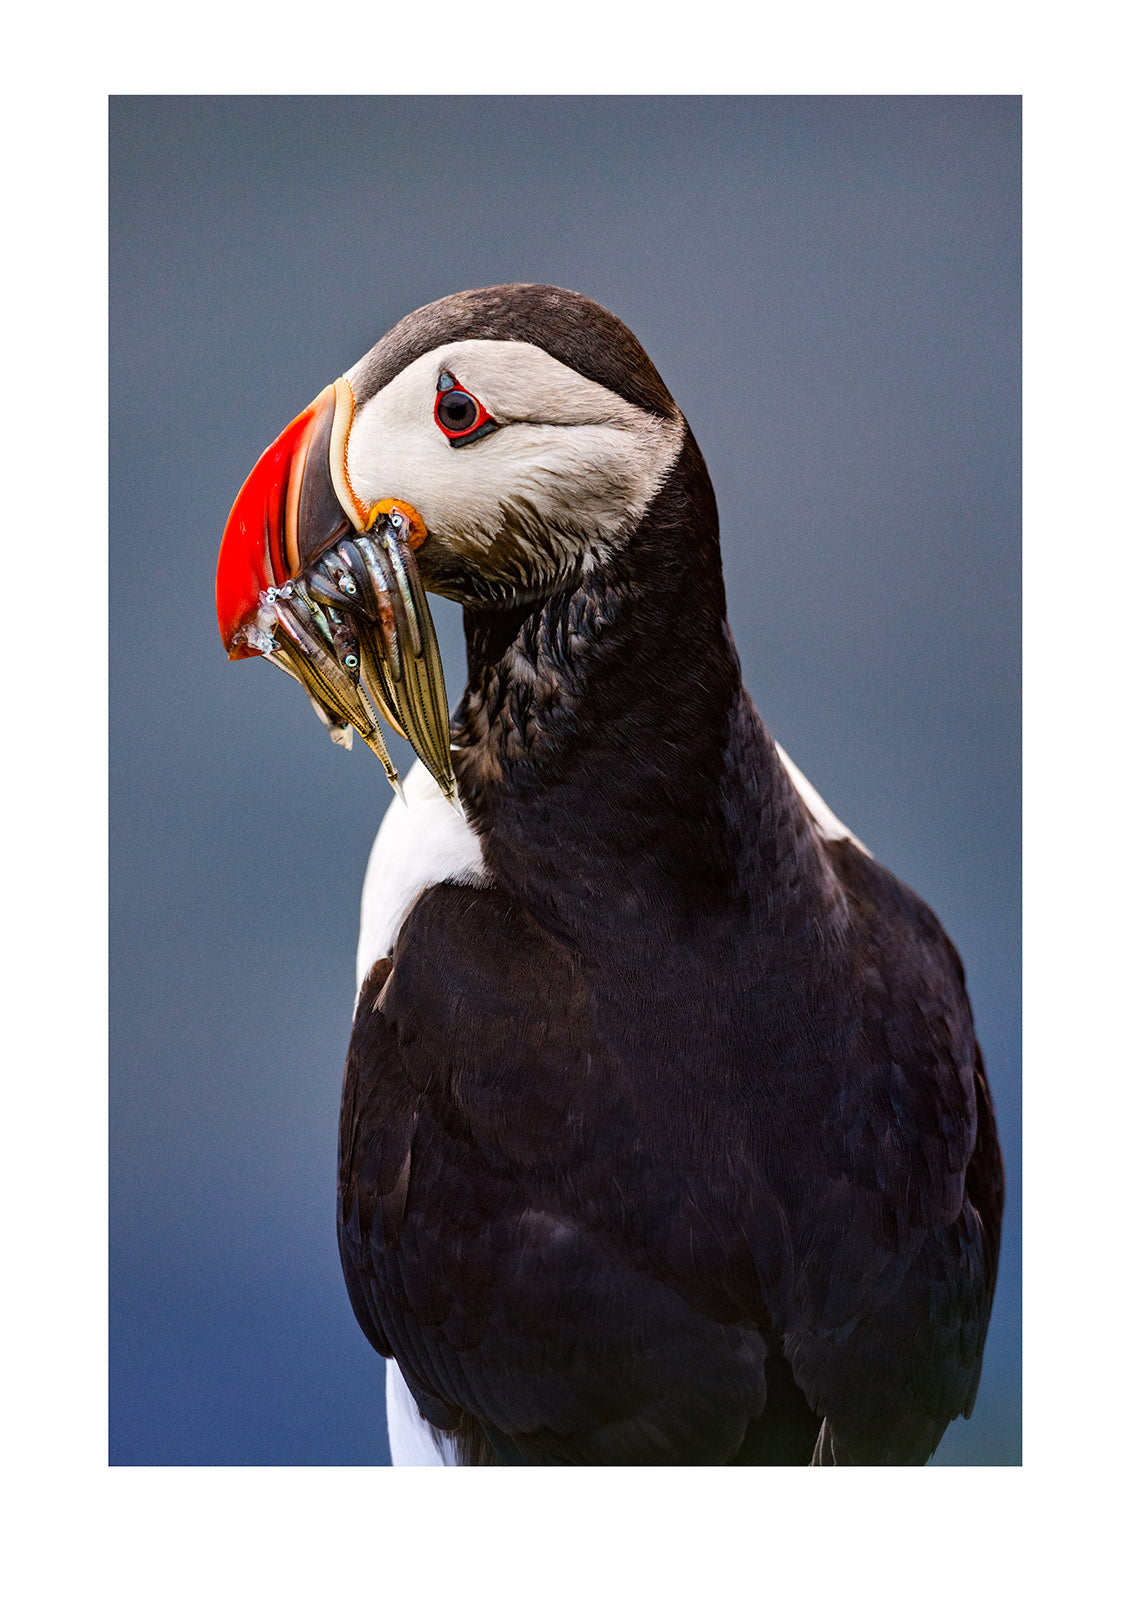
327,588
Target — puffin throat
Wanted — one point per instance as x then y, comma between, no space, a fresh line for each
605,712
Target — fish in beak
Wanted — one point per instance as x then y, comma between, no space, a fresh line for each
327,588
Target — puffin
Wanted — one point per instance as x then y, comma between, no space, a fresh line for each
665,1134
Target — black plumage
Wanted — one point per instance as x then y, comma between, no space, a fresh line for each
672,1142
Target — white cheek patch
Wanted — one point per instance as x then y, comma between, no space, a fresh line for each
420,843
570,457
521,383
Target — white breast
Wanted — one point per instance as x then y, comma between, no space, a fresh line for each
412,1442
422,842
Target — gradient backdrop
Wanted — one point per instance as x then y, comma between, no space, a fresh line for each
830,288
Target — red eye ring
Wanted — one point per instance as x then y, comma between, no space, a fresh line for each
460,417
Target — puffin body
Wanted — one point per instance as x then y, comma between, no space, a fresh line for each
665,1137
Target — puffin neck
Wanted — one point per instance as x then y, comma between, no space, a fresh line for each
605,743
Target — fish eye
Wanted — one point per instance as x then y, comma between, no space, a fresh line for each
459,415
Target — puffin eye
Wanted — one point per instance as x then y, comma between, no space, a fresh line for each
459,415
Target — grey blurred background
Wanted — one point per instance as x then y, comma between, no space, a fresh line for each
830,288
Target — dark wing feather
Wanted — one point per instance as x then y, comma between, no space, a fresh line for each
898,1250
486,1241
587,1238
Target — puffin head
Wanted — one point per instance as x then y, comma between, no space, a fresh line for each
490,448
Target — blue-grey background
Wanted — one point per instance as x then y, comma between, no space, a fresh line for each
830,288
